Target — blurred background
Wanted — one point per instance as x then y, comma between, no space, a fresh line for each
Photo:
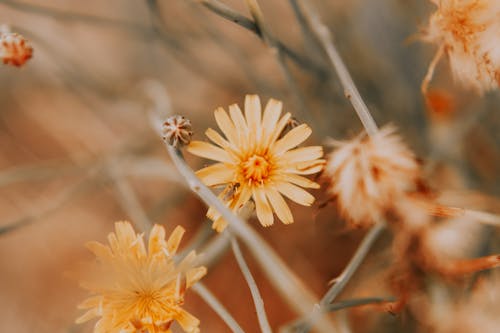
77,148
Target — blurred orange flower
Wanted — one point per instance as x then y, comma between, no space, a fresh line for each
15,50
258,160
135,289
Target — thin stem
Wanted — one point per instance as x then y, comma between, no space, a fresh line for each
356,302
217,306
350,90
430,71
341,281
226,12
254,290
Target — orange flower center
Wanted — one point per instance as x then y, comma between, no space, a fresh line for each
256,169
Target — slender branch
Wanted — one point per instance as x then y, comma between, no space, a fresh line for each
350,90
226,12
430,71
356,302
217,306
303,325
254,290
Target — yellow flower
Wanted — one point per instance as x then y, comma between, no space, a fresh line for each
258,161
139,290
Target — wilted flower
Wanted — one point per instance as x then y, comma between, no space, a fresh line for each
137,289
255,163
176,130
368,173
468,32
15,50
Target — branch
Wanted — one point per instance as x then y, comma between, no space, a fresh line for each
254,290
350,90
217,306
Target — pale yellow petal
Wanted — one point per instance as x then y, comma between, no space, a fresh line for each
295,193
208,150
302,154
240,124
307,167
101,251
175,239
188,322
262,207
216,174
216,138
292,139
253,115
156,242
194,275
299,180
279,128
272,113
92,313
219,224
279,206
226,125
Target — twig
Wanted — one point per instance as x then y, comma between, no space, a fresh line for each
254,290
350,90
226,12
303,325
217,306
356,302
430,71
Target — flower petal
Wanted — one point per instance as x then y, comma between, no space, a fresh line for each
279,128
303,154
156,242
216,138
240,124
307,167
226,125
102,252
253,116
272,113
175,239
295,193
194,275
216,174
292,139
264,211
188,322
208,150
279,206
299,180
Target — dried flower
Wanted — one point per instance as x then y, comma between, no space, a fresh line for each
15,50
368,173
176,131
255,164
139,290
468,32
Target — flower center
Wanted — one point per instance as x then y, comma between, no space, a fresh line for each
256,168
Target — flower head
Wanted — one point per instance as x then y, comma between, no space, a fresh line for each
254,162
368,173
176,131
469,33
15,50
137,289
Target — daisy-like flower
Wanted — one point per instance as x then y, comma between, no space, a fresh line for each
255,161
367,173
468,32
137,289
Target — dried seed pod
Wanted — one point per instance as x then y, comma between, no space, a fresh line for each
177,131
15,50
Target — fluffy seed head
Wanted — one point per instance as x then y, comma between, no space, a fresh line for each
469,32
15,50
367,173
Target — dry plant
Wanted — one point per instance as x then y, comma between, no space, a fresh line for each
392,230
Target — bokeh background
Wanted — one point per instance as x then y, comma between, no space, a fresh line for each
77,147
